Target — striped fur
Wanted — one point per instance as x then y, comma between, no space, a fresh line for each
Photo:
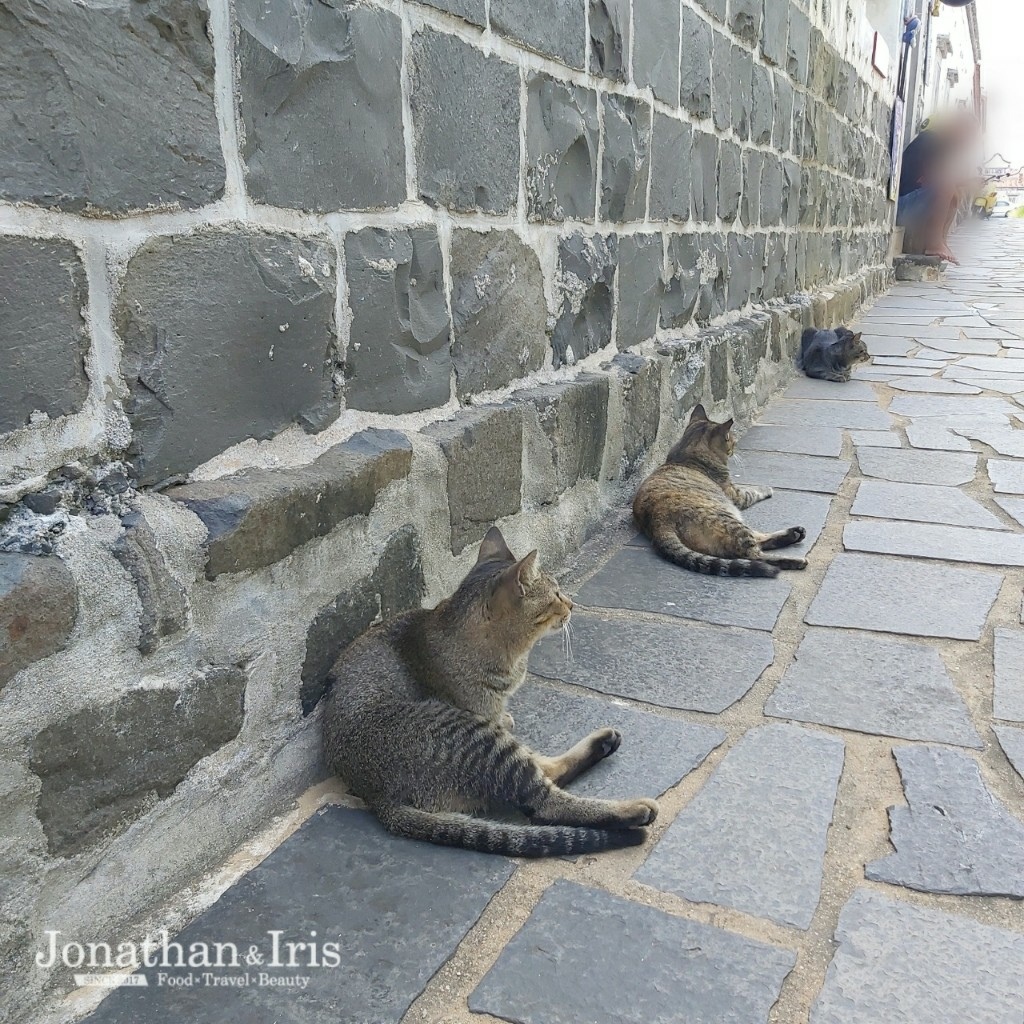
691,511
416,723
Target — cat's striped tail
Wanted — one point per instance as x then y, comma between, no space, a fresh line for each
667,543
449,829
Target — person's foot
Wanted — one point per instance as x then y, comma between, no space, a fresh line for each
943,254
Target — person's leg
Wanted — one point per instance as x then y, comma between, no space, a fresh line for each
940,219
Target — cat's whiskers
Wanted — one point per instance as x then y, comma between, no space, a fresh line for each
567,641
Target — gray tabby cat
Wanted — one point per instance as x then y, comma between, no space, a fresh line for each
831,355
416,723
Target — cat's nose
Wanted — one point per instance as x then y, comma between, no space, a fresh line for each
568,602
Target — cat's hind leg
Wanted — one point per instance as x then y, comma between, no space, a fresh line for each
788,563
561,770
781,538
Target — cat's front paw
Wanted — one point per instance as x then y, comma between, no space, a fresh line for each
766,493
797,534
507,721
605,742
640,813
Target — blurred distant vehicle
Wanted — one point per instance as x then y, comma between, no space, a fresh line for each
985,203
1001,208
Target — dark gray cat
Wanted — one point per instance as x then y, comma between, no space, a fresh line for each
416,723
831,355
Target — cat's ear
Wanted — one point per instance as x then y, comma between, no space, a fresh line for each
856,338
516,578
493,548
723,428
698,414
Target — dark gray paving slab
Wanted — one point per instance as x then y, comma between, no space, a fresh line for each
1007,476
791,508
1008,699
796,472
879,345
936,435
655,753
900,963
921,503
875,439
342,876
637,578
933,540
932,386
653,967
851,391
922,332
950,405
825,441
961,346
871,685
993,365
885,374
1000,437
1005,385
687,666
1012,506
754,837
815,413
917,467
917,362
885,594
953,836
1012,742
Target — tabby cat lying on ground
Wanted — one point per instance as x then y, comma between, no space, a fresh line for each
416,723
831,355
690,509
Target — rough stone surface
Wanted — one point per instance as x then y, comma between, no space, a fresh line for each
851,391
825,441
704,178
640,382
900,962
871,685
917,467
721,81
921,503
1012,742
102,767
683,290
466,126
585,283
1007,477
554,29
42,328
484,450
953,836
609,38
545,973
656,48
754,836
393,931
791,508
398,357
131,79
931,540
641,289
798,472
655,754
695,66
226,336
945,406
775,32
626,163
1008,701
394,586
258,516
561,150
696,668
730,188
320,98
826,413
884,594
473,11
38,609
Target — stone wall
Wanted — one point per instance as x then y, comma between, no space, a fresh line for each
296,300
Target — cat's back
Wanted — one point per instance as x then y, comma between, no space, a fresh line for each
674,489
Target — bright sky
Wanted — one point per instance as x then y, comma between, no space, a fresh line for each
1002,75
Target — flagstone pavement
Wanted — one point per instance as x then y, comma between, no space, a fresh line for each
839,753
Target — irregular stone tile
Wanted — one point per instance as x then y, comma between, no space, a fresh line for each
923,332
851,391
922,503
929,540
1012,742
1002,438
1004,385
881,346
917,467
909,363
545,973
884,594
797,472
825,441
874,439
964,346
898,962
953,836
889,373
791,508
655,754
991,365
1008,698
931,354
1007,476
1012,506
393,931
687,666
754,837
948,406
937,435
810,413
871,685
933,385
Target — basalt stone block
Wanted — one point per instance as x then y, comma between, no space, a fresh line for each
554,29
798,46
776,192
656,48
227,335
712,262
484,452
640,385
745,19
43,339
320,99
775,32
749,347
671,169
762,113
730,180
750,203
561,150
641,289
716,342
259,516
394,586
585,282
104,766
626,160
683,289
131,79
473,11
609,38
716,8
721,81
704,171
498,310
38,609
687,364
695,65
742,95
162,598
782,127
465,125
398,357
740,270
574,417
